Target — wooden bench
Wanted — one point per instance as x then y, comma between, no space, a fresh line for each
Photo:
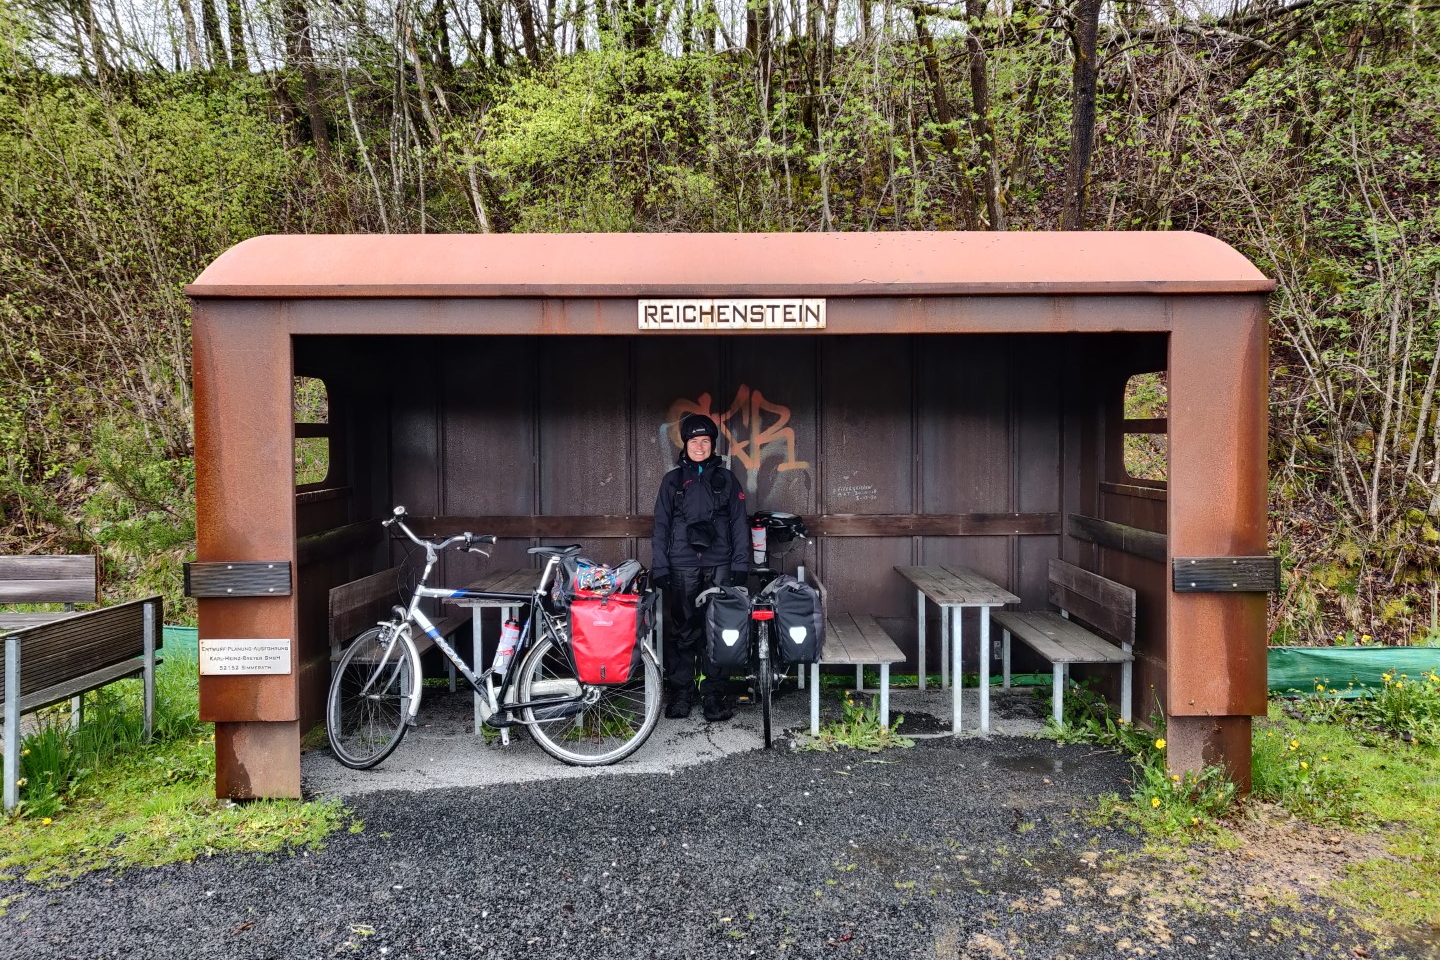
58,656
853,639
1107,607
360,604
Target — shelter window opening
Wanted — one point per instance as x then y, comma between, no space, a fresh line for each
312,434
1145,428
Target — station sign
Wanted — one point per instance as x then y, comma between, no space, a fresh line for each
725,313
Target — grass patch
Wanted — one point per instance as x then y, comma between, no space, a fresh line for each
1352,765
858,728
98,797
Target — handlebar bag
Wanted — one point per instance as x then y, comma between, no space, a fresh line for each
727,628
605,635
799,620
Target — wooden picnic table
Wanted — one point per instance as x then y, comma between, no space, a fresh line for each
515,581
952,589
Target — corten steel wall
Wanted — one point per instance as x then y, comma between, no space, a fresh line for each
547,403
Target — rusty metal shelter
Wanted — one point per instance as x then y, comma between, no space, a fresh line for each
962,402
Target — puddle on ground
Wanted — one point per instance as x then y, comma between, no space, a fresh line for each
1031,764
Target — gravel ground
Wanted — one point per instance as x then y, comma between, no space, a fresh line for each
973,847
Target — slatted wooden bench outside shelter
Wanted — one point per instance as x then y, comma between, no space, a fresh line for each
922,399
1079,595
51,657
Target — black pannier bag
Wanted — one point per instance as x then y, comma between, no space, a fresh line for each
727,627
799,624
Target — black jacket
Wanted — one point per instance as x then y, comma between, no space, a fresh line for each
700,493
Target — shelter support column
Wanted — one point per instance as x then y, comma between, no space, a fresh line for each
245,511
1216,642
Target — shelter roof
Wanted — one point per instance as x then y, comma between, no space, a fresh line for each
729,264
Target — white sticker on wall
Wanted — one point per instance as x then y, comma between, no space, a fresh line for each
233,657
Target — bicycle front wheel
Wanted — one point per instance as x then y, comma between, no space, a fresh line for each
370,695
607,727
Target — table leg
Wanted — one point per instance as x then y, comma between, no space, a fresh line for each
956,646
946,678
885,695
814,699
477,649
920,633
984,669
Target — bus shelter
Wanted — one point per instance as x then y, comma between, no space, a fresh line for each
917,397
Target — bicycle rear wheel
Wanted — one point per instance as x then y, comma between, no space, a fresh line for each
610,725
370,695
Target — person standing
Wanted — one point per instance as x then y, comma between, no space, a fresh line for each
701,539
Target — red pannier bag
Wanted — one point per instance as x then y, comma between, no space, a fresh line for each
605,632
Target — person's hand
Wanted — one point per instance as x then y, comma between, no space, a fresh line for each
662,581
737,578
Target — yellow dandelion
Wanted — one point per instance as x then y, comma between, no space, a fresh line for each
1195,821
1319,686
1304,765
1154,801
25,752
46,821
21,782
1294,744
1160,744
1364,638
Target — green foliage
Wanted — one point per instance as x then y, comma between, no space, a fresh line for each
859,728
1163,802
98,797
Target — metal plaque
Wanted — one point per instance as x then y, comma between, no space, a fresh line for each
233,657
770,313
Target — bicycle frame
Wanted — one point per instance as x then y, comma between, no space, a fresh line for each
498,699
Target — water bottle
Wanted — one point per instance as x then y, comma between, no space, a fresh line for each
505,649
757,543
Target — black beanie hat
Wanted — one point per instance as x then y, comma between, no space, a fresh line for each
697,425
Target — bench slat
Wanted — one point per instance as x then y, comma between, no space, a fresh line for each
93,680
49,579
857,638
52,653
1059,640
1107,606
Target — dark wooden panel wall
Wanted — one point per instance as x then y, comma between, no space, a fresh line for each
874,426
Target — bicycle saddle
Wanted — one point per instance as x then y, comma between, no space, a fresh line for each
569,550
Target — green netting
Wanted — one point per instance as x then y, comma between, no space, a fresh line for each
1349,671
179,639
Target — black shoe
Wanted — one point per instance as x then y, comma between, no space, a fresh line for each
679,708
716,709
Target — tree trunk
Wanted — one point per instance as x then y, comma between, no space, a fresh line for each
944,114
527,30
214,43
1085,76
982,124
238,60
301,55
192,39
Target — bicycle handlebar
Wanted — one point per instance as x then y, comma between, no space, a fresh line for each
474,543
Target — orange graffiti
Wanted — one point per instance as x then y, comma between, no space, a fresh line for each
751,438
